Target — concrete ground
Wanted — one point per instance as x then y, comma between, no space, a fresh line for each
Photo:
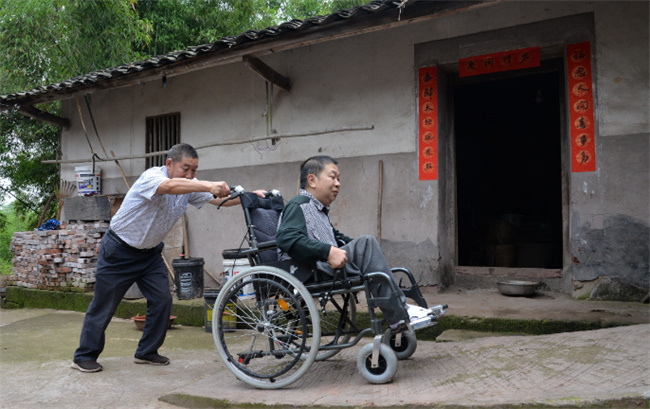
567,369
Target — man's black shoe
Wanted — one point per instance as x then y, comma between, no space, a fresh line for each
154,359
86,366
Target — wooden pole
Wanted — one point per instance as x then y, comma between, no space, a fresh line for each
186,240
169,268
92,119
121,171
380,199
83,125
211,274
227,143
45,208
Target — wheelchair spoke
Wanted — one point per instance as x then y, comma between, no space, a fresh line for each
264,339
338,323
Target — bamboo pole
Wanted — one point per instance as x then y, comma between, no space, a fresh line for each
380,199
224,143
186,239
169,268
92,119
83,125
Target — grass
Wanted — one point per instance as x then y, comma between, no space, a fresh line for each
191,312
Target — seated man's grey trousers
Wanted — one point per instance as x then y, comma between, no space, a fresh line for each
365,256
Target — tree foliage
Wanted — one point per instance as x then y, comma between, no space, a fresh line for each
10,222
47,41
44,42
23,144
179,24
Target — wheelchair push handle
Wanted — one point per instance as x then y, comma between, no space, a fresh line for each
237,190
272,193
269,193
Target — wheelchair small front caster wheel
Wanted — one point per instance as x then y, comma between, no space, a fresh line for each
404,344
386,369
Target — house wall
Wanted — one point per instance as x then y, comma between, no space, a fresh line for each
369,80
609,214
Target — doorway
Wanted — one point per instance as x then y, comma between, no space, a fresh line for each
509,170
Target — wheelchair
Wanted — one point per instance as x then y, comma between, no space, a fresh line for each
272,321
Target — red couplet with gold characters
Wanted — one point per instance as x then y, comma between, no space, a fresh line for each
428,122
581,108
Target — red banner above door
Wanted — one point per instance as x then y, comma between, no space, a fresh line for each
496,62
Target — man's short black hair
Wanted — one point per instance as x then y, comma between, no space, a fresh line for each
313,166
180,151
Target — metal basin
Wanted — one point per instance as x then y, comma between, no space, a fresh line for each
517,288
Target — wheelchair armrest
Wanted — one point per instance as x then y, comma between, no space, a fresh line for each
267,245
231,254
414,291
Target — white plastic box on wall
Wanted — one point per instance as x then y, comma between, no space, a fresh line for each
88,182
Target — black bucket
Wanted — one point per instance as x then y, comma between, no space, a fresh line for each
210,297
188,273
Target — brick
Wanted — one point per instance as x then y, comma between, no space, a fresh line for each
57,259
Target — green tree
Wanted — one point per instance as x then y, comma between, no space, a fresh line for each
47,41
23,144
10,223
44,42
177,24
301,9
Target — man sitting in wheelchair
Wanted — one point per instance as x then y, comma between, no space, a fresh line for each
306,235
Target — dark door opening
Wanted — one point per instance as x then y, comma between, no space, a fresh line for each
508,164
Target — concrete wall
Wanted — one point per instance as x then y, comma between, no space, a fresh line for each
610,207
369,80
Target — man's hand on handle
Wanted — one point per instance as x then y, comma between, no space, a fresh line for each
220,189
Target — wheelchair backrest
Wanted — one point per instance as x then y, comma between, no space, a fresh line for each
262,214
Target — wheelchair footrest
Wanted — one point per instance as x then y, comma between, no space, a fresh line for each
429,320
423,322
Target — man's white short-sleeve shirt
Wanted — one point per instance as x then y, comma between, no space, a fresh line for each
145,218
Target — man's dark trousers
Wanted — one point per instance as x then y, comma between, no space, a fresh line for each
118,267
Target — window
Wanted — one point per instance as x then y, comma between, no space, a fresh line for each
163,132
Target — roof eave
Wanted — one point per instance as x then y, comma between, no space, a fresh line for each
225,51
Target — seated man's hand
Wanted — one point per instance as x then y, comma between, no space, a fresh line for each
337,257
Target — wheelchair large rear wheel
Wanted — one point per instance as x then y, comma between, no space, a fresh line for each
266,327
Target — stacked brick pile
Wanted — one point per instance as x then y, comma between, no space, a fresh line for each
63,259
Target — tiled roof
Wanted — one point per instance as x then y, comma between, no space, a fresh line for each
223,46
